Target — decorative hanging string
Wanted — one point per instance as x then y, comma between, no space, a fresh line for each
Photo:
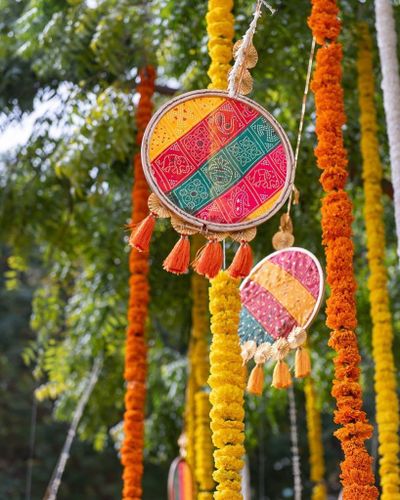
52,489
235,76
337,214
387,404
136,348
298,487
315,445
301,123
387,43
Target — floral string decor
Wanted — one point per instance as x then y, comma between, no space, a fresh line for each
357,476
315,445
220,30
200,367
136,350
227,387
387,404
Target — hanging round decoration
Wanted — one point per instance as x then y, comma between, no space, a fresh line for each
180,480
280,298
219,163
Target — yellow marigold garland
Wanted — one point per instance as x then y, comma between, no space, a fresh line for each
314,432
190,424
227,387
387,405
199,448
220,29
200,366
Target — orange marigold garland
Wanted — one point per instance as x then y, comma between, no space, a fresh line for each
357,476
135,354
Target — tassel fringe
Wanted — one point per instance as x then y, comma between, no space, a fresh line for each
302,363
178,259
281,378
256,380
141,235
208,261
242,262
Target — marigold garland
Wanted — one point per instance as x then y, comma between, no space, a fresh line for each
314,432
387,405
357,476
200,366
190,424
227,387
220,29
135,350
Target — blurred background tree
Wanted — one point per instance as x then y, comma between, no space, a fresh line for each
67,105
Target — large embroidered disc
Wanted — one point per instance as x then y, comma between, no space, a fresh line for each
218,162
284,291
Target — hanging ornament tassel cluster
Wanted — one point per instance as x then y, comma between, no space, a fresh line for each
183,156
272,324
387,404
227,387
315,445
357,476
388,52
135,350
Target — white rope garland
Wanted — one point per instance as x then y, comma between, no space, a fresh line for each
298,487
52,489
387,43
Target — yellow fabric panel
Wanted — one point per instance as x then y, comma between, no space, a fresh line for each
287,290
264,207
179,120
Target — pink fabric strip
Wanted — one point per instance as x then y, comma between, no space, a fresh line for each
274,318
302,267
180,160
260,183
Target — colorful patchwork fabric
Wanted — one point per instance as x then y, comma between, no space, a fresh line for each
280,294
218,159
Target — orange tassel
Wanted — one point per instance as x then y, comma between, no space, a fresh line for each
281,378
256,380
141,235
178,260
208,262
302,363
242,262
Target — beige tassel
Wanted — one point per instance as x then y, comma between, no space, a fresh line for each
281,378
302,363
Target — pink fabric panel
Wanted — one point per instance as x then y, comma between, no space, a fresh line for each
274,318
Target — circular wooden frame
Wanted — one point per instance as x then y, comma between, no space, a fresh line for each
203,225
320,298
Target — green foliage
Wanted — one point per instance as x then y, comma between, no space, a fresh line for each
65,199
